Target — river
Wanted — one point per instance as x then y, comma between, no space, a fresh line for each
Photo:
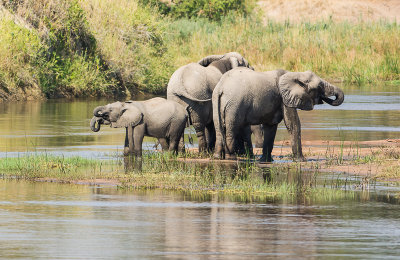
61,127
60,221
64,221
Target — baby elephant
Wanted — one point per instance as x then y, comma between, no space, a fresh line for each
156,117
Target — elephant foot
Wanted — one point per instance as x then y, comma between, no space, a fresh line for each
299,159
264,159
218,156
126,151
230,157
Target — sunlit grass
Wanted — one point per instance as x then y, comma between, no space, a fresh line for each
171,172
121,46
360,54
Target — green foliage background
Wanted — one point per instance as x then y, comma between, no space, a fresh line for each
79,48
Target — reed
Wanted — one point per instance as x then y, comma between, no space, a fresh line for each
171,172
363,53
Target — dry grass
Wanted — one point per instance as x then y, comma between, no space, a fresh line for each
338,10
357,54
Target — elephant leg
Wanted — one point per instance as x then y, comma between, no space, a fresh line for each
211,137
164,143
129,143
199,126
247,144
181,147
231,142
268,145
201,138
138,136
126,145
293,126
258,133
177,137
219,147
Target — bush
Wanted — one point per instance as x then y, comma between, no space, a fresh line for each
211,9
18,49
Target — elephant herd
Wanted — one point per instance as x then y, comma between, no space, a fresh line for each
225,100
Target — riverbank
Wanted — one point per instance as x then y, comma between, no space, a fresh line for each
338,165
103,48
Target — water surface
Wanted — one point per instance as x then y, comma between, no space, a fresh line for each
59,221
62,127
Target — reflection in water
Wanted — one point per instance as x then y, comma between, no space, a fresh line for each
40,220
132,164
62,127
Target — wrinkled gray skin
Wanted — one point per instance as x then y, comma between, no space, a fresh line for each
244,97
156,117
192,86
258,132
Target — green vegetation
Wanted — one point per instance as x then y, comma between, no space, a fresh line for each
49,166
167,171
65,48
210,9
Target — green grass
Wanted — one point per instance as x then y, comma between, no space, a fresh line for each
167,171
98,48
360,54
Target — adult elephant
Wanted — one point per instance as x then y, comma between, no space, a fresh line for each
192,86
244,97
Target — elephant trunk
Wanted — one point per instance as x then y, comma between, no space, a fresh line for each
209,59
331,90
97,111
93,123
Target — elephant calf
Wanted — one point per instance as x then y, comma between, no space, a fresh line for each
244,97
156,117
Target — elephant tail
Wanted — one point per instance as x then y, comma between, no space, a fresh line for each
221,121
188,124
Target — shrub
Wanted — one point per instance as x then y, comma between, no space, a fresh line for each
211,9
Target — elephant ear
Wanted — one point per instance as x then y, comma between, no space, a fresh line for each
294,88
234,62
210,59
130,116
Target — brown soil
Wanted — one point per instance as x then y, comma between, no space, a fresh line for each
369,158
91,182
338,10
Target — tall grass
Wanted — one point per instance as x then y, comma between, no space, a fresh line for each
98,48
362,53
18,47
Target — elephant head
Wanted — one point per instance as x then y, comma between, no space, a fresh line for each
119,114
303,90
226,62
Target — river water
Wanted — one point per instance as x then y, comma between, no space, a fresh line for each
62,127
60,221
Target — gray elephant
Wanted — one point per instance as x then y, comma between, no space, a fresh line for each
244,97
258,133
192,86
156,117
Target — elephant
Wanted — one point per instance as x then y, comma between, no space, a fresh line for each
242,145
156,117
244,97
192,85
258,132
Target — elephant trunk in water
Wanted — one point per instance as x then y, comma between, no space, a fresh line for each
331,90
93,124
